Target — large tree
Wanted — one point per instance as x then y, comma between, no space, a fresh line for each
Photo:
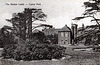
92,9
22,22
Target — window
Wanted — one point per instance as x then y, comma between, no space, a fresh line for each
62,34
66,34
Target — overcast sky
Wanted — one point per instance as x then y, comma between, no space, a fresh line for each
59,12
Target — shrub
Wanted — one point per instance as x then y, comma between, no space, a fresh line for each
39,48
33,51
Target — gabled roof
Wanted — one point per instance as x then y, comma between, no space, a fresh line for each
65,28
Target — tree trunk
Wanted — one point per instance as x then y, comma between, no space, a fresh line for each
30,26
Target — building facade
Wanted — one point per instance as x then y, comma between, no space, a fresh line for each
64,35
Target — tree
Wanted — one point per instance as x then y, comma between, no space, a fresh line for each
92,8
22,22
43,25
37,47
53,38
7,37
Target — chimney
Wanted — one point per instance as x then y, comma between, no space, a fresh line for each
74,30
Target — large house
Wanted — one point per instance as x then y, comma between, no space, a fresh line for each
64,35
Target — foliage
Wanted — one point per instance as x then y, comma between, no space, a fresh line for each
20,43
33,51
43,25
96,49
22,22
90,34
37,49
92,8
53,38
6,36
40,37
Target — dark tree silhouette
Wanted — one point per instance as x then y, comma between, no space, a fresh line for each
22,22
92,8
23,44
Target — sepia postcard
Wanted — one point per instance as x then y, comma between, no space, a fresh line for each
50,32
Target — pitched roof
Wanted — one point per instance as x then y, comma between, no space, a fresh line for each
65,28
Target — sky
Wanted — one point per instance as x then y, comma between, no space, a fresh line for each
59,12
